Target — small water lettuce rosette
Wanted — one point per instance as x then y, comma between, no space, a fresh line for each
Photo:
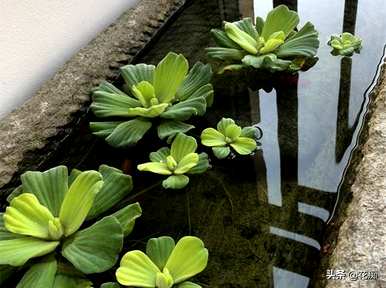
165,263
272,45
45,217
177,161
229,135
166,96
345,44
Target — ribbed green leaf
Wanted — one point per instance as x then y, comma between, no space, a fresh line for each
187,162
280,19
137,270
225,54
160,155
175,182
79,200
49,186
246,41
110,285
169,128
108,104
250,132
202,165
212,138
188,258
159,250
223,124
169,75
128,133
259,25
133,74
223,40
184,110
268,61
26,216
188,284
127,216
198,76
221,152
104,129
182,145
66,281
150,112
155,167
41,274
16,192
116,187
247,26
96,248
4,233
109,88
17,252
303,43
233,131
244,146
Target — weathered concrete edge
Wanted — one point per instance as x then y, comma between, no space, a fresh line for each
30,126
361,245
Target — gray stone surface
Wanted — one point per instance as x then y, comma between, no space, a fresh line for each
29,127
361,244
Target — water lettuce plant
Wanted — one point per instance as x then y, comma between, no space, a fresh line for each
273,44
345,44
177,161
45,217
229,135
165,263
166,96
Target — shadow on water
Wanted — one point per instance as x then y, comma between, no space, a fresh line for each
261,217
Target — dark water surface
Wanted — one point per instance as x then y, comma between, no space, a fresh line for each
262,217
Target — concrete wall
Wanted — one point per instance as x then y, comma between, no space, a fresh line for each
37,37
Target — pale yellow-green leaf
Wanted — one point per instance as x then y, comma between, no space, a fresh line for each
16,252
188,162
223,124
155,167
182,145
27,216
233,131
169,75
188,258
137,270
241,38
144,92
79,200
212,138
244,145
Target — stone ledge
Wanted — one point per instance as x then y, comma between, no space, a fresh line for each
32,125
361,245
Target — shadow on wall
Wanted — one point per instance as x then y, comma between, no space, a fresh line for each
37,37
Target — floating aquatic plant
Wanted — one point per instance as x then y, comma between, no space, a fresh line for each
177,161
165,263
229,135
45,217
169,93
345,44
273,44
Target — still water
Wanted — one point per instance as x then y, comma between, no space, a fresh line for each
263,217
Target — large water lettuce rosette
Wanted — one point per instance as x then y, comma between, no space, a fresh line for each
166,96
273,44
42,228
